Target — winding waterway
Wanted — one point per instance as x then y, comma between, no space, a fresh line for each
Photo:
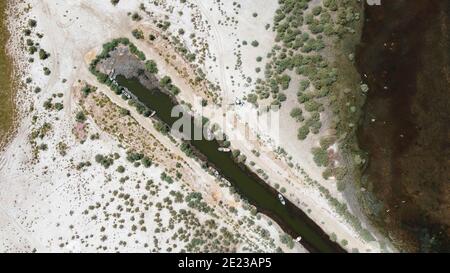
404,58
249,185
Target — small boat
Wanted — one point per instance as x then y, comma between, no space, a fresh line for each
111,75
223,149
298,239
210,135
127,95
281,198
152,114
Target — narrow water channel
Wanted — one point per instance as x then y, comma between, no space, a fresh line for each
250,186
404,58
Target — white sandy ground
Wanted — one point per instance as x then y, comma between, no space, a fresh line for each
35,199
42,203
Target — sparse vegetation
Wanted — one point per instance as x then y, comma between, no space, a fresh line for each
138,34
151,66
43,54
80,116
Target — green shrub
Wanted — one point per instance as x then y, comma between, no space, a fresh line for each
326,142
312,106
327,173
87,89
137,33
124,112
80,117
32,23
146,162
59,106
151,67
186,148
252,98
317,10
47,71
320,156
281,97
167,178
303,132
297,114
241,158
43,54
236,153
165,81
284,81
136,17
133,156
105,161
304,84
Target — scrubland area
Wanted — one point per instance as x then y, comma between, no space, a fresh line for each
88,171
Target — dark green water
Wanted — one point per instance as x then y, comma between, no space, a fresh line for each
251,187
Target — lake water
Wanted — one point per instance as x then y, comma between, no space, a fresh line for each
404,59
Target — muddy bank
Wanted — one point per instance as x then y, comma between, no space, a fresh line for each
404,59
